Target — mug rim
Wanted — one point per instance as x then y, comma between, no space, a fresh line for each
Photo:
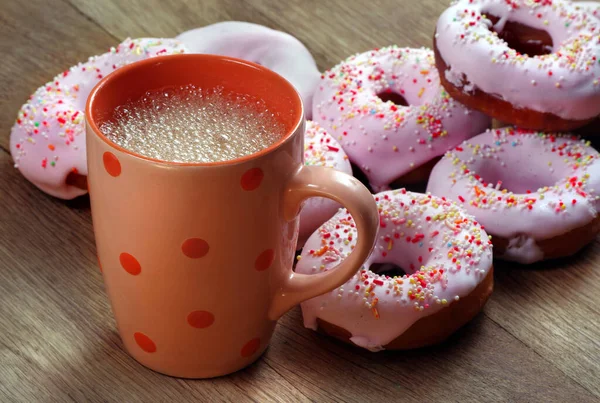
164,59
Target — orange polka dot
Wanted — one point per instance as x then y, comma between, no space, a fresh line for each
252,179
194,248
130,264
111,164
251,347
200,319
264,260
144,342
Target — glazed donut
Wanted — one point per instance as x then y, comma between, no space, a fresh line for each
320,149
533,64
47,142
448,260
273,49
535,193
362,103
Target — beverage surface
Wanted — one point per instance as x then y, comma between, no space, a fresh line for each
189,124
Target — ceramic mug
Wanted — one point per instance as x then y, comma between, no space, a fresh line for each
197,257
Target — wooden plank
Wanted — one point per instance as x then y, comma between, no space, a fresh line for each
536,341
39,40
332,30
138,18
553,308
480,363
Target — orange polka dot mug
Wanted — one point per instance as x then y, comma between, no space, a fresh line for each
197,257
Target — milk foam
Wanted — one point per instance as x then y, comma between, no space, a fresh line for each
189,124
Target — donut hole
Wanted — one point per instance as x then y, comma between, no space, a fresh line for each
518,178
388,269
523,38
396,98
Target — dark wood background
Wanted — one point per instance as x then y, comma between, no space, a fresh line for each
538,338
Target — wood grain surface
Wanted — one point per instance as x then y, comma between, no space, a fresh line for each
538,339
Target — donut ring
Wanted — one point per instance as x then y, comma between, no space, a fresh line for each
47,141
320,149
273,49
536,194
449,260
385,139
559,91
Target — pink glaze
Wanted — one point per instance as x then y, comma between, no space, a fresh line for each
47,141
273,49
522,185
386,140
592,7
445,253
320,149
564,83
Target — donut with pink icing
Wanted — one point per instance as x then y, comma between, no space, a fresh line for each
273,49
447,257
533,64
321,149
362,103
47,141
535,193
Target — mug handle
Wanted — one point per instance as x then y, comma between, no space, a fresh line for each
317,181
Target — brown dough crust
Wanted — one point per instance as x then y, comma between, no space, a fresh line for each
563,245
432,329
77,180
502,110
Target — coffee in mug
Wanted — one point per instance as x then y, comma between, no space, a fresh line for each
191,124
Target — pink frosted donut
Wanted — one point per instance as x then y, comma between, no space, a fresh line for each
448,260
530,63
320,149
47,142
384,139
536,194
273,49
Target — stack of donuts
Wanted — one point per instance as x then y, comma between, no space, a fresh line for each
526,190
533,66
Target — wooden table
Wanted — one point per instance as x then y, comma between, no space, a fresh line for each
538,338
